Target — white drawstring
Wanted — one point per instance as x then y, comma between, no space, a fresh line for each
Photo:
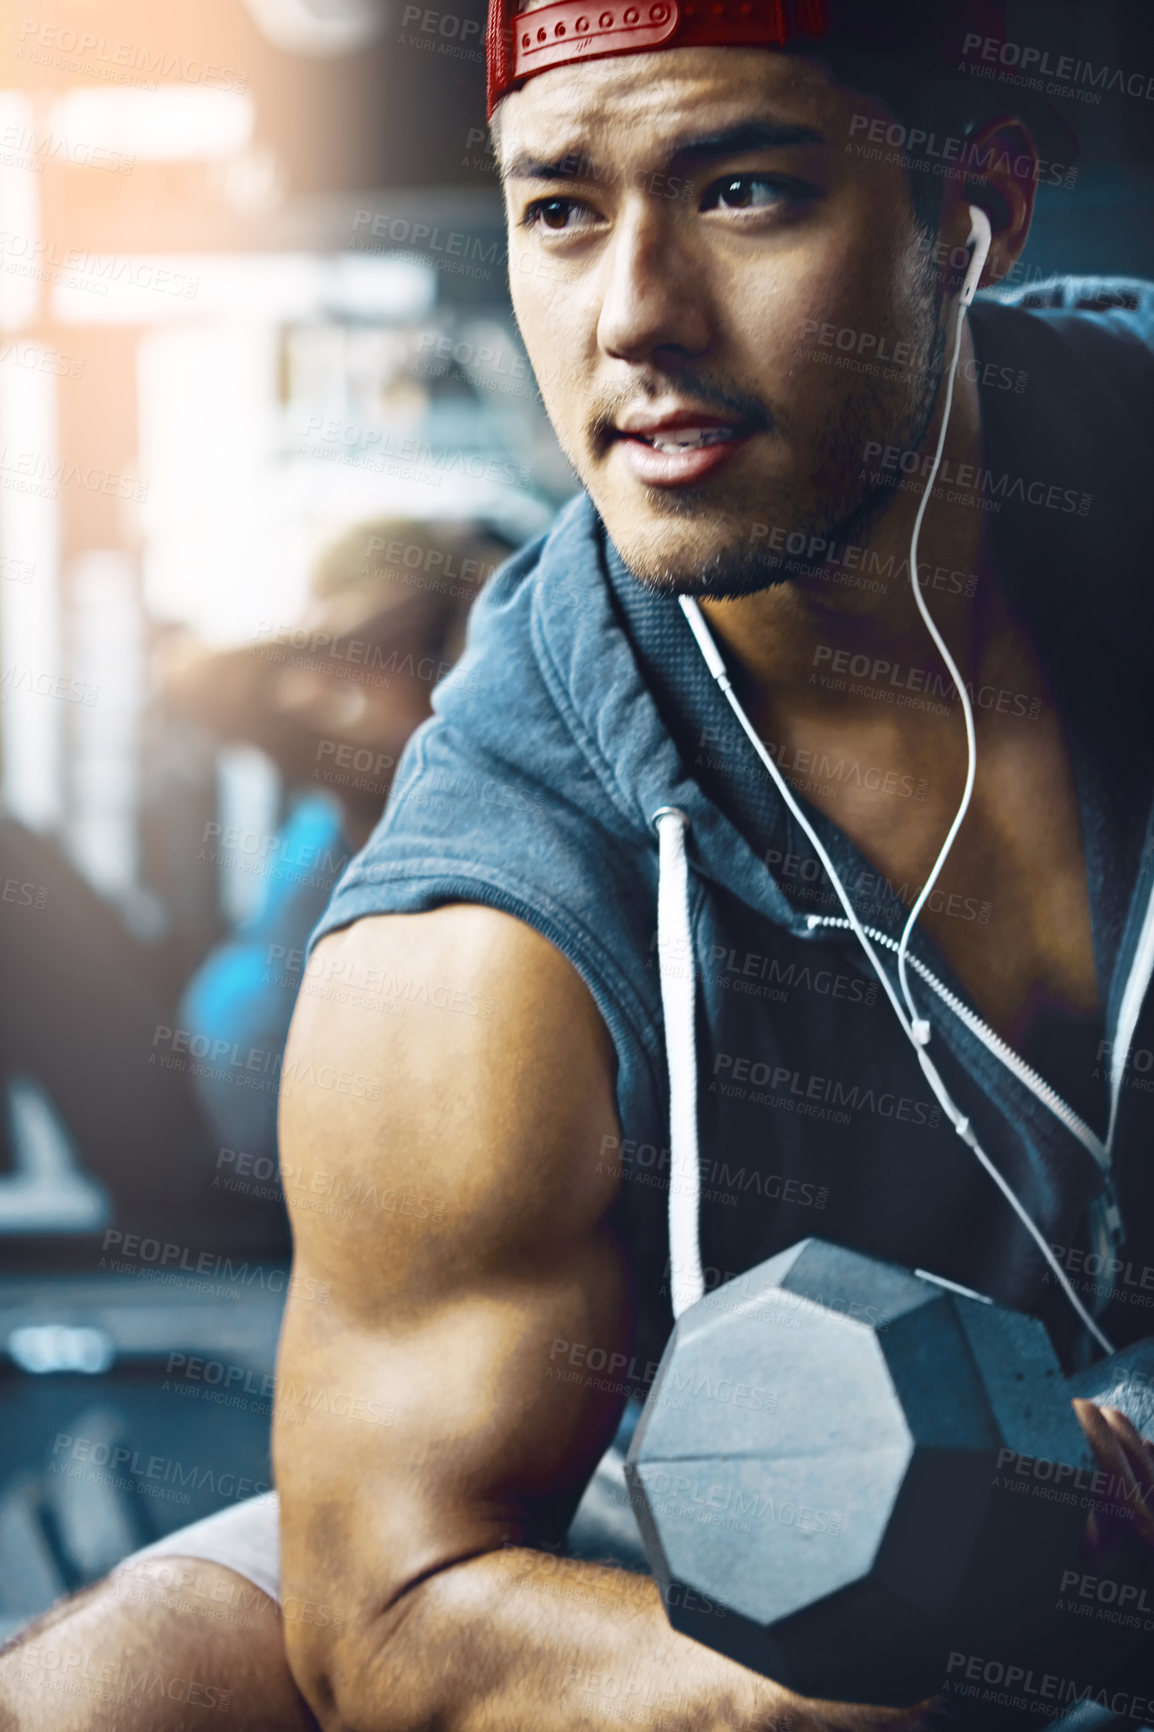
678,982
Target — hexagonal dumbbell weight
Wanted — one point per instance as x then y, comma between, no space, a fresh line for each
821,1474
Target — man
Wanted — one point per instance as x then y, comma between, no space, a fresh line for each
686,224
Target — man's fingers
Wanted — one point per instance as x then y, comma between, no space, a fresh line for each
1139,1452
1096,1421
1140,1468
1119,1451
1098,1434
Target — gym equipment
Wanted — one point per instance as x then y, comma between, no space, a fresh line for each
133,1407
845,1473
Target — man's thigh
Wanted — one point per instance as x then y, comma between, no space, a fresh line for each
166,1644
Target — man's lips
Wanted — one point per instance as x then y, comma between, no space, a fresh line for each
678,448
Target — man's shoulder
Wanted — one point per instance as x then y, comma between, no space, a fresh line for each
550,688
520,793
546,622
1070,447
519,790
1081,330
1127,302
532,596
536,573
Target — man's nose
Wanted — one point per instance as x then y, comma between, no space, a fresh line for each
653,297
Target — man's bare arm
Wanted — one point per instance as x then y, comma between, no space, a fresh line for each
447,1233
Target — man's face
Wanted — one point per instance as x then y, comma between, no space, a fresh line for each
678,222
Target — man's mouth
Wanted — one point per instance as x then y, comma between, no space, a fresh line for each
687,438
678,448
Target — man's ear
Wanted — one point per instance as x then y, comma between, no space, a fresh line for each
998,170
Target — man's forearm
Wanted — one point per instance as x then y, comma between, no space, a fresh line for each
527,1642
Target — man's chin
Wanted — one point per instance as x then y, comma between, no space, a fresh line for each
726,582
723,565
691,550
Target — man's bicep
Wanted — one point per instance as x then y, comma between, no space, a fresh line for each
447,1077
452,1218
403,1451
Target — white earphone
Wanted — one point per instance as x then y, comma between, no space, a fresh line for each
981,236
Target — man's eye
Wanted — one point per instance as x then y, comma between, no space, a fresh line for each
744,192
552,213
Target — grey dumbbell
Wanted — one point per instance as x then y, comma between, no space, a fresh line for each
845,1473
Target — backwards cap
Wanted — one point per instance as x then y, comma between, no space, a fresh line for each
519,45
934,36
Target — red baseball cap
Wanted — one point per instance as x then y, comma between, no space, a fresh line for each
929,34
565,32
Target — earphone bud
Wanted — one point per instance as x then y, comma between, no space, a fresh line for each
981,238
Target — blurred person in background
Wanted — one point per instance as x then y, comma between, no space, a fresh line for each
332,701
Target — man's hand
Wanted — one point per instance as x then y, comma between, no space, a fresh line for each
1124,1522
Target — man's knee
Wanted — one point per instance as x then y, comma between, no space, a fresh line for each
165,1643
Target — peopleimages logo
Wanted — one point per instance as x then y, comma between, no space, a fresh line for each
1040,69
977,482
1021,1686
878,671
441,33
53,44
874,138
24,147
134,1466
736,1071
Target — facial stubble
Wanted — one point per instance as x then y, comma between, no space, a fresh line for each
726,547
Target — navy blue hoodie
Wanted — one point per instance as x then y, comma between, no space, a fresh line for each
582,705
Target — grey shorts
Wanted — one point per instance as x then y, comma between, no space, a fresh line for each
246,1538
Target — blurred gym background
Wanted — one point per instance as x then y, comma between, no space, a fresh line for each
265,429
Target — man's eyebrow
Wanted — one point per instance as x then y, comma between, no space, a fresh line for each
573,165
750,135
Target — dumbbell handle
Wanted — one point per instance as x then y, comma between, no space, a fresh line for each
1124,1381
